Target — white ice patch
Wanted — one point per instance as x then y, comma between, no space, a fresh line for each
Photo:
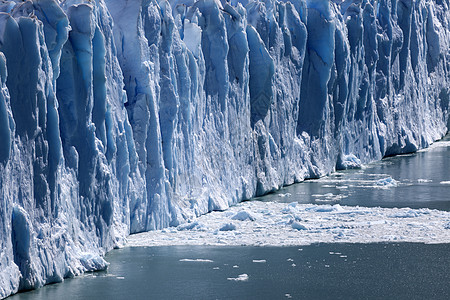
422,180
259,261
387,182
242,277
328,198
445,182
284,195
196,260
339,182
275,225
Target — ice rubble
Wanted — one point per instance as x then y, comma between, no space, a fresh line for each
118,117
281,224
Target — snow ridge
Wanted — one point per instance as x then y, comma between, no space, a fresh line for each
118,117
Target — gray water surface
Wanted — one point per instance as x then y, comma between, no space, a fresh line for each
324,271
421,178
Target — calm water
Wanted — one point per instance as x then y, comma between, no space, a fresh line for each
419,177
374,271
324,271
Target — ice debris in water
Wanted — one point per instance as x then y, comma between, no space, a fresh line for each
284,195
348,162
242,277
304,224
196,260
422,180
387,182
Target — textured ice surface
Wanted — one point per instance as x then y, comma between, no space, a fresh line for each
281,224
119,117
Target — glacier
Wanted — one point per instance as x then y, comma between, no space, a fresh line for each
120,117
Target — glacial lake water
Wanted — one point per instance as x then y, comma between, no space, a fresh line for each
423,181
319,271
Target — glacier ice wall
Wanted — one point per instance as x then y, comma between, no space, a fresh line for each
118,117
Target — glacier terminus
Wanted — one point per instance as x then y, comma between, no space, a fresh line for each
125,116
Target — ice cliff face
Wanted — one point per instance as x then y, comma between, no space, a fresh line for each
125,116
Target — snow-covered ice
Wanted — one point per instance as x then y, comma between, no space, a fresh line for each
243,216
276,225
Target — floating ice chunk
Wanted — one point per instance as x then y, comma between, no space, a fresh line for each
299,226
421,180
284,195
196,260
243,216
445,182
228,227
387,182
328,197
342,187
236,267
259,261
289,296
93,262
120,277
242,277
348,162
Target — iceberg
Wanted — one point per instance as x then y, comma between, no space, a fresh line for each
119,117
